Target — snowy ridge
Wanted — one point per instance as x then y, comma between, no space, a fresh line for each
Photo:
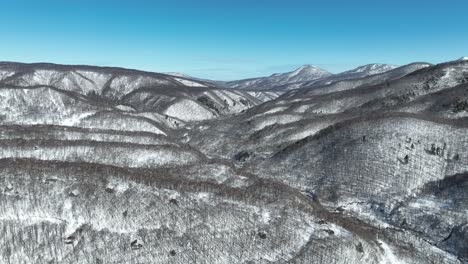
105,88
353,80
307,75
350,146
179,74
372,69
303,73
190,83
109,165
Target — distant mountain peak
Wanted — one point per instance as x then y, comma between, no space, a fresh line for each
463,59
178,74
309,69
303,69
304,73
374,68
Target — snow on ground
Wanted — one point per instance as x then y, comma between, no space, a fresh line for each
99,79
273,110
279,119
451,77
426,204
189,83
177,74
124,123
302,108
30,219
389,257
43,77
126,84
308,131
231,99
188,110
264,96
372,69
75,119
203,196
118,185
5,74
125,108
363,211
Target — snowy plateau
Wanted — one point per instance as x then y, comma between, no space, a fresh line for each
110,165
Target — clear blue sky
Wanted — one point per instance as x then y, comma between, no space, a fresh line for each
233,39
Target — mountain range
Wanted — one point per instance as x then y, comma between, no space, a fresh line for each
304,75
112,165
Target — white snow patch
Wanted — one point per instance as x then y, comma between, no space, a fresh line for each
338,231
388,256
5,74
188,110
189,83
177,74
364,212
30,219
75,119
279,119
372,69
274,110
264,96
203,196
99,80
118,185
425,203
172,194
308,131
302,108
125,108
266,216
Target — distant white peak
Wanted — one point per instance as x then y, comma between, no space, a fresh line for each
177,74
304,70
308,69
373,68
189,83
463,59
306,66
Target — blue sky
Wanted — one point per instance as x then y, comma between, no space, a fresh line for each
233,39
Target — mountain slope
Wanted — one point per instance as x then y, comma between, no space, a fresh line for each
307,76
105,165
302,74
130,90
370,69
347,82
368,151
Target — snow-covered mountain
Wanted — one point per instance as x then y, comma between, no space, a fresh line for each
370,69
179,74
126,91
463,59
302,74
357,73
307,75
387,152
108,165
346,81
